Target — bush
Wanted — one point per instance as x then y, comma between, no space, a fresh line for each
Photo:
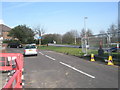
11,41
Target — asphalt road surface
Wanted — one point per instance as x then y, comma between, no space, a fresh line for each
55,70
60,45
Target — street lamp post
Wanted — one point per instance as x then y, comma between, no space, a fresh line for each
85,27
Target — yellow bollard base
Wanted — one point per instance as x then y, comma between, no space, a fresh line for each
109,63
92,60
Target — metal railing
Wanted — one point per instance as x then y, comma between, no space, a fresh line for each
12,62
109,42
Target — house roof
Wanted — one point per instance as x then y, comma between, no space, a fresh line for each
4,28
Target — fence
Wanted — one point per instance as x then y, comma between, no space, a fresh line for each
12,62
108,42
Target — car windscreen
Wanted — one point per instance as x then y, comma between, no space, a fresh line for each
30,47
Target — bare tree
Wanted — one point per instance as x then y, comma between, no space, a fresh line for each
75,34
49,38
88,33
112,30
68,38
112,33
39,30
102,32
82,33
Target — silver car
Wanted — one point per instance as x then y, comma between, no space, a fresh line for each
30,50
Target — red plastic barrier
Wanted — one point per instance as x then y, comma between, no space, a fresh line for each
12,61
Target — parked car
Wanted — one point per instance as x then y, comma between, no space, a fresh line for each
30,50
15,45
80,46
113,49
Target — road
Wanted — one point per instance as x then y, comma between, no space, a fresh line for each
55,70
60,45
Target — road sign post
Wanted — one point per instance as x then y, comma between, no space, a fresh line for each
39,40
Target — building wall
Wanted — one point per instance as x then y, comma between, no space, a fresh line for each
5,35
4,31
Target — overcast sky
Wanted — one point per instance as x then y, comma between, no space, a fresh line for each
60,17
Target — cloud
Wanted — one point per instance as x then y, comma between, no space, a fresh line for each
1,21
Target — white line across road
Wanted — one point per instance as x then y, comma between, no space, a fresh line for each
77,70
41,53
49,57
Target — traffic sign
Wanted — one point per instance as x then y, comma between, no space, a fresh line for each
39,37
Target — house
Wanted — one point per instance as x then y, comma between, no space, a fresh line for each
4,31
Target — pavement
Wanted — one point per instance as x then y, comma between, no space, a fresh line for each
3,76
56,70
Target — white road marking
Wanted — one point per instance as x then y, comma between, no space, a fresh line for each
22,77
9,73
41,53
77,70
23,84
49,57
22,69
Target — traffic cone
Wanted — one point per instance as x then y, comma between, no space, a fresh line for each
92,57
110,61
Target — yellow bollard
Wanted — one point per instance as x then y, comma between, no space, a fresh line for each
110,61
92,57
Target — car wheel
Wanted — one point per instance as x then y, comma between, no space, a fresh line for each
24,55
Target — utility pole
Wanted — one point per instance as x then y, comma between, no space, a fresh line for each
61,39
75,37
39,37
75,40
108,41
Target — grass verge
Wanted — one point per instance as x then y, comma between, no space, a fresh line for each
65,50
78,52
